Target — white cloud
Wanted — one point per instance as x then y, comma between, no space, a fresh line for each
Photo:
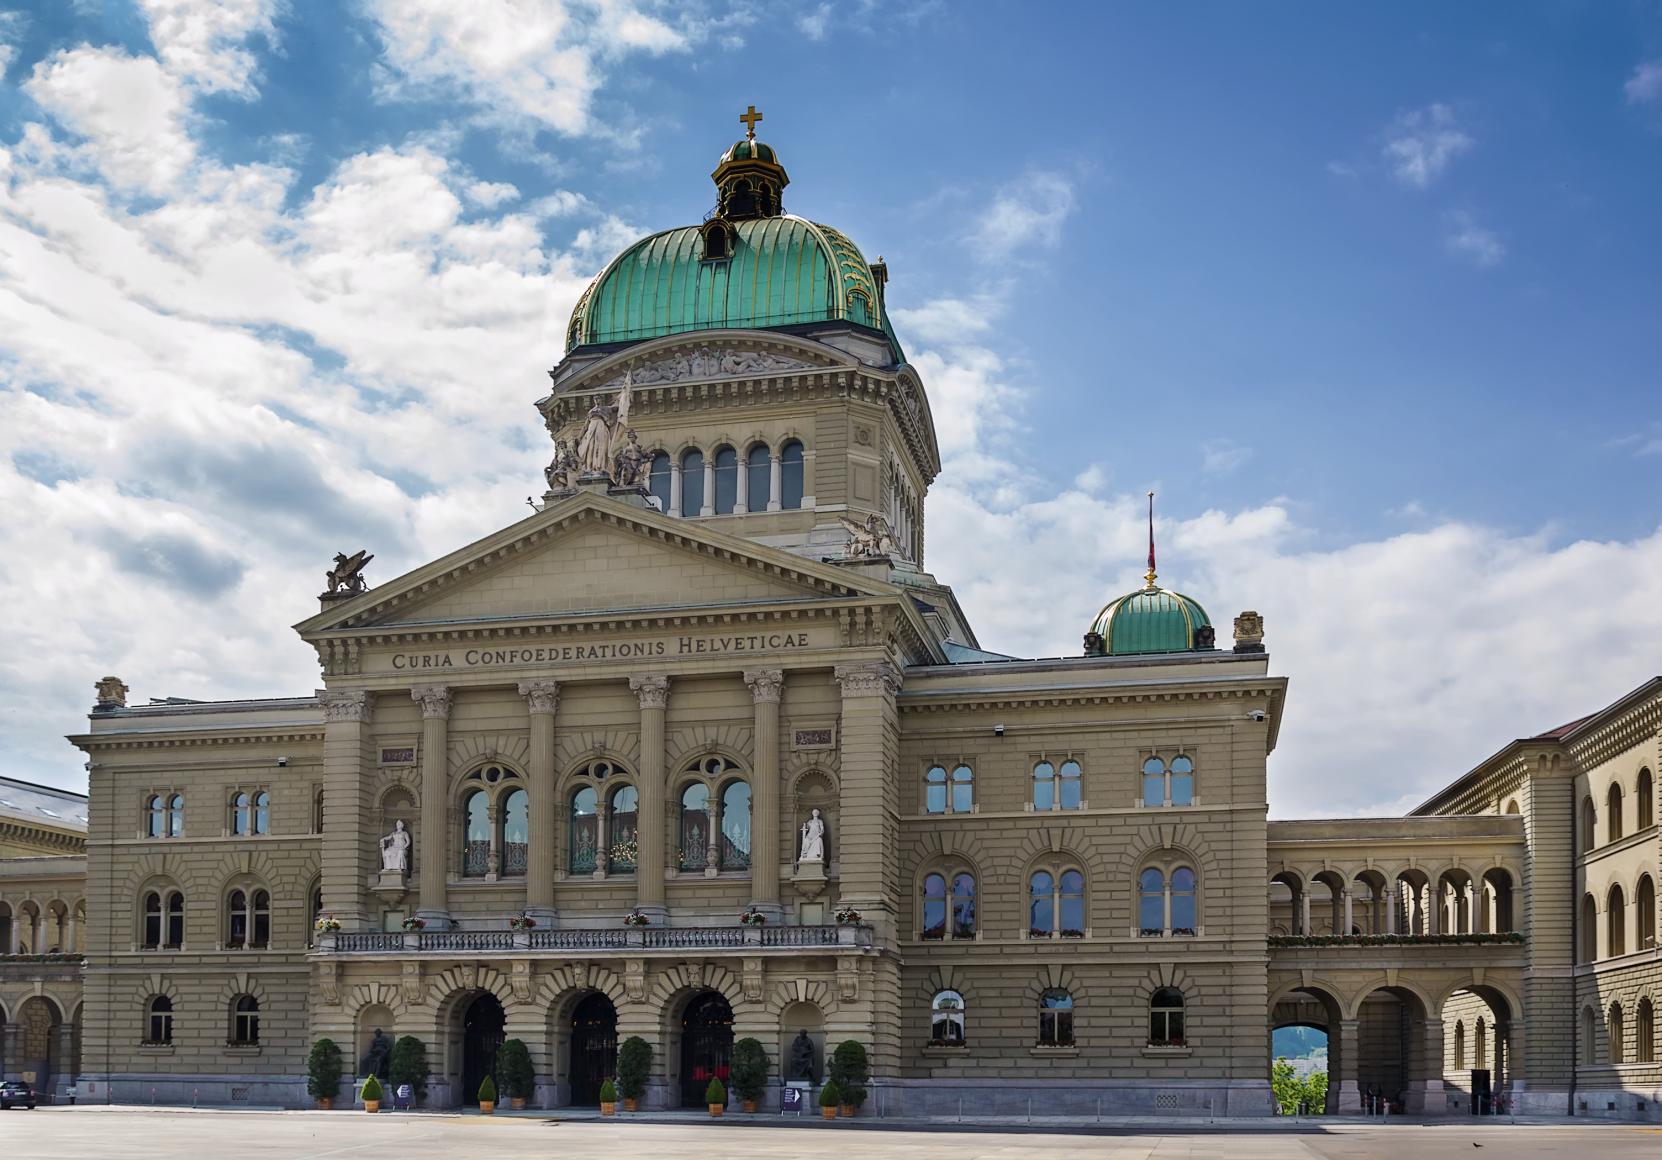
1645,84
1027,214
11,30
490,194
204,42
1221,456
536,61
947,320
814,24
1475,243
1422,143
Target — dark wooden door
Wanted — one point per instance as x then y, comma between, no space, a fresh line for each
482,1033
706,1046
593,1048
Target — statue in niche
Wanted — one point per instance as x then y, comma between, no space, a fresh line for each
813,839
378,1059
395,849
800,1062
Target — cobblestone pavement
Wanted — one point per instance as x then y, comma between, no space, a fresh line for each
123,1133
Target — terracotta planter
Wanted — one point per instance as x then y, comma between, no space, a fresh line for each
717,1109
749,1106
829,1112
372,1106
519,1103
630,1105
607,1109
487,1107
325,1103
846,1111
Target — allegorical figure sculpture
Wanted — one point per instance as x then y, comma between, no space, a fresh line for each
347,576
630,468
603,435
869,540
800,1064
813,839
378,1059
395,849
562,468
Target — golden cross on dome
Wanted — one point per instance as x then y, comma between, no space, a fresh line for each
749,117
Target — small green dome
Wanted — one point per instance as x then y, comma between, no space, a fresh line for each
1153,620
747,150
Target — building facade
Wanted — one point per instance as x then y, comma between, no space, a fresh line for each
712,677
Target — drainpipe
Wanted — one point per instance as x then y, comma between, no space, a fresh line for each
1575,944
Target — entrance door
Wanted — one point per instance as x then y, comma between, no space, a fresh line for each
706,1046
593,1048
482,1027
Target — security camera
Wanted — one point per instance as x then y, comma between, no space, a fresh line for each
1257,714
998,731
282,763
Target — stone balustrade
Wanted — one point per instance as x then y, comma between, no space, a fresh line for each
591,940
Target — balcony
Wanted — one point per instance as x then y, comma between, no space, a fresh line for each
579,940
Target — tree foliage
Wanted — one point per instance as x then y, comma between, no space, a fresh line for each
749,1069
323,1070
851,1070
513,1064
634,1065
1298,1095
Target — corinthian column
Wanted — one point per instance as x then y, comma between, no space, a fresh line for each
347,758
542,698
766,685
435,701
650,825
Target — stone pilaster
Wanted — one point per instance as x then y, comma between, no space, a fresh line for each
766,688
348,755
867,850
435,701
651,825
542,700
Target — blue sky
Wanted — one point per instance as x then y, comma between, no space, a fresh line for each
1367,294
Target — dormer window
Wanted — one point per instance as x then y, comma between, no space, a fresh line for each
718,241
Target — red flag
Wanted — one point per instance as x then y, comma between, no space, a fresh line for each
1151,538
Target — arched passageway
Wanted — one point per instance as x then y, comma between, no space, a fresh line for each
1316,1010
593,1045
706,1045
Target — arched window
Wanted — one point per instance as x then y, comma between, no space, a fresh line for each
1154,782
695,826
1645,899
1613,814
160,1020
245,1021
317,811
946,1020
155,809
1617,1043
727,480
1644,800
657,479
934,907
963,906
476,835
516,832
1057,788
1044,786
1056,904
1644,1028
1459,1045
248,920
151,936
692,482
584,853
949,793
241,811
1480,1045
1589,824
1165,1018
1589,1033
1055,1018
790,475
1168,785
948,909
1166,904
262,812
164,920
1615,918
758,478
1071,787
176,815
1589,928
624,815
1182,791
735,826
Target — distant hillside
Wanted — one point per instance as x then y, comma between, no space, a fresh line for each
1298,1042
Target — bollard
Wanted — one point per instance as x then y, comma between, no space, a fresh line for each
193,1097
1099,1107
960,1109
152,1097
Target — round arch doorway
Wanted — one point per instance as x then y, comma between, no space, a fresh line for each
593,1048
706,1045
483,1024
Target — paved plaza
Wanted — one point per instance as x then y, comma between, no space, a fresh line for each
121,1133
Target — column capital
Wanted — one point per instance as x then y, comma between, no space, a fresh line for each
435,700
868,680
346,705
765,684
653,691
540,696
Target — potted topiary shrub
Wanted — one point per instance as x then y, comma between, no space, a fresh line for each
408,1065
750,1071
634,1065
323,1068
608,1098
828,1098
519,1078
372,1094
487,1096
850,1069
716,1096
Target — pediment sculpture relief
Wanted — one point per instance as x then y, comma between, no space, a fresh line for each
704,363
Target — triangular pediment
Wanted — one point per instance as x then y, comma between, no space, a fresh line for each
591,554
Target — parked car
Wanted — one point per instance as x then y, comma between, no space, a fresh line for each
13,1092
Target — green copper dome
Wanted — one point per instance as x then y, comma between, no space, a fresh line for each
782,270
1152,620
748,150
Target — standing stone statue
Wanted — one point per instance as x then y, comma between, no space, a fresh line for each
395,849
603,436
378,1059
813,839
800,1063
